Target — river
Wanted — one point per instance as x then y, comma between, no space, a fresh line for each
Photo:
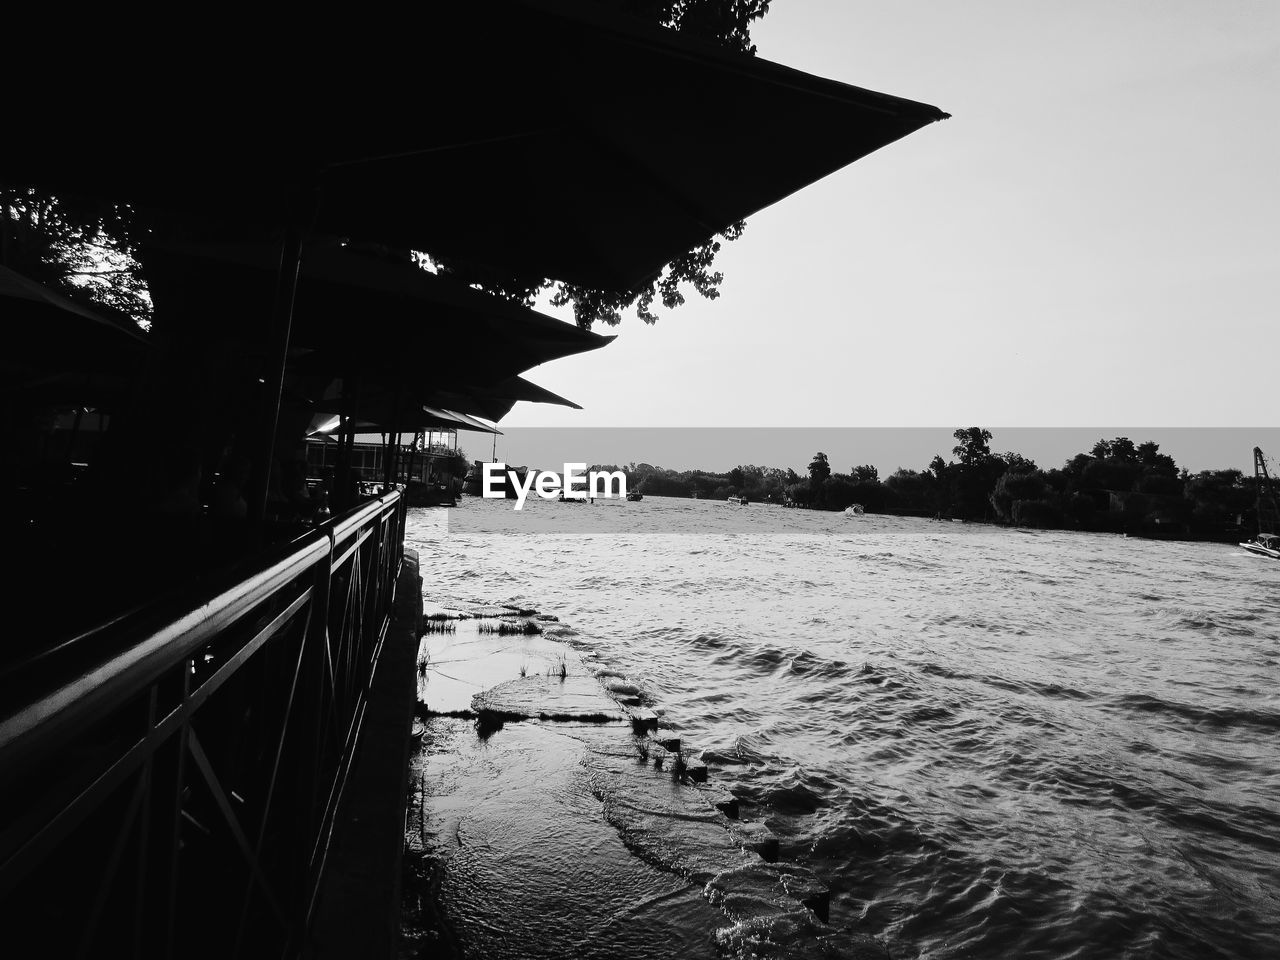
988,742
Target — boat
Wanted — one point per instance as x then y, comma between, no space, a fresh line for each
1268,511
854,510
1264,545
635,496
738,501
574,499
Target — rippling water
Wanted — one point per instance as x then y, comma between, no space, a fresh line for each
990,743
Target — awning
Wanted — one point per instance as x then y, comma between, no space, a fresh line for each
383,415
518,388
549,137
355,312
472,423
59,349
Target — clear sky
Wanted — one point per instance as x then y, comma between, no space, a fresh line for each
1092,239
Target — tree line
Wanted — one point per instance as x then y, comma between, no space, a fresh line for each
1118,486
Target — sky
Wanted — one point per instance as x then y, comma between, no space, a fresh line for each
1093,238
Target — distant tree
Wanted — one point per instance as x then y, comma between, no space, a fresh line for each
1218,496
1036,513
1080,511
84,250
911,490
865,473
1155,462
1121,465
1017,463
773,482
1110,473
819,469
1014,487
800,492
977,472
839,492
726,23
1123,449
974,446
946,477
1074,468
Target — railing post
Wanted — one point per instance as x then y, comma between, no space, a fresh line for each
312,717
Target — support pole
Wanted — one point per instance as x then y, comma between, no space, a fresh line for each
281,327
413,450
387,468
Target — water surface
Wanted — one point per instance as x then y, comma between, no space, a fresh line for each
989,742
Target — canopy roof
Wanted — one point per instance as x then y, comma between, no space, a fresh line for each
548,137
56,347
413,420
30,302
411,410
357,313
518,388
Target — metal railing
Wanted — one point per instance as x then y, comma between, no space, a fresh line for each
169,782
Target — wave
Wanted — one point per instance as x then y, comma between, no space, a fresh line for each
1262,719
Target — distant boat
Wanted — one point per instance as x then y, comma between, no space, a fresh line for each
635,496
739,501
578,499
1264,545
854,510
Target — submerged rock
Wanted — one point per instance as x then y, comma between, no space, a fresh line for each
768,889
549,697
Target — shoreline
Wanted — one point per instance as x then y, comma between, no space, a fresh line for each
576,786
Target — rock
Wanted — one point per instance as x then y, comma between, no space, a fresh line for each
726,803
750,892
757,838
642,720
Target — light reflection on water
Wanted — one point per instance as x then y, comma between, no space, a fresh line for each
988,742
